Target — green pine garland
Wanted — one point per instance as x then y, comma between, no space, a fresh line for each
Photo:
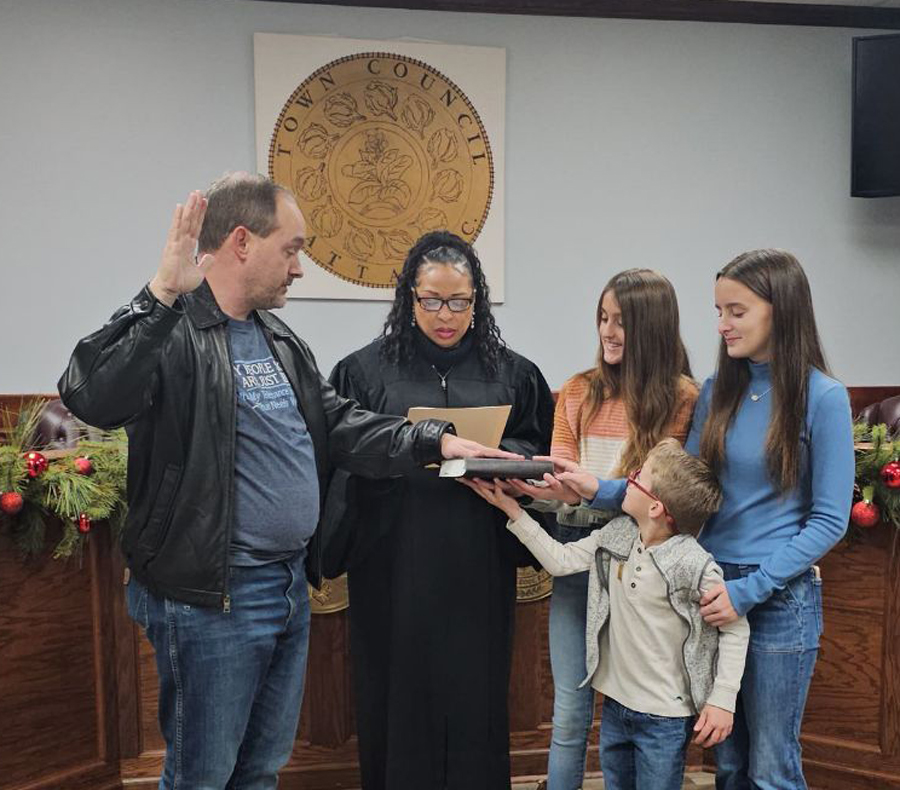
61,492
869,462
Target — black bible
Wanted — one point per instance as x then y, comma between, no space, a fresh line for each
489,468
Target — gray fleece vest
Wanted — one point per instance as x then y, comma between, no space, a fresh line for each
682,563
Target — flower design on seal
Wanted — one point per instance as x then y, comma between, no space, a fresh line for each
395,243
448,186
417,114
430,219
315,141
442,147
381,190
341,109
381,99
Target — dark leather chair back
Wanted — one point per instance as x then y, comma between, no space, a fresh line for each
58,428
886,411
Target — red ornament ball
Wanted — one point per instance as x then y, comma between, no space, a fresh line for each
11,503
890,474
865,514
36,463
83,465
84,524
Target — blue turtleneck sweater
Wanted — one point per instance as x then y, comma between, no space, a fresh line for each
757,525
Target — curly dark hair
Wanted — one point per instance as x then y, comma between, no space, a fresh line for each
441,246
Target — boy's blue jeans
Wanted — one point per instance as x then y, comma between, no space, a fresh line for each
230,684
763,751
573,707
640,751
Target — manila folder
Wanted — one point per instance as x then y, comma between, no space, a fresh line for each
482,424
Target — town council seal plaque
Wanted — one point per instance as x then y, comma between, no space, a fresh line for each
379,148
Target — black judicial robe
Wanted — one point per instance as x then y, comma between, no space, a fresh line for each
433,581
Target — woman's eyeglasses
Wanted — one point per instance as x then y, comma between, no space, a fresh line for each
432,304
632,480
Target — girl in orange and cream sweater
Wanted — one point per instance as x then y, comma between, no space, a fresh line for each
607,420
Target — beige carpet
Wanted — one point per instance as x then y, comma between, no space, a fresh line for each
692,781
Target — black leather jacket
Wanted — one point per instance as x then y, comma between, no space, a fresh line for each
166,375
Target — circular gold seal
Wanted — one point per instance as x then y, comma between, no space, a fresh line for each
378,149
532,585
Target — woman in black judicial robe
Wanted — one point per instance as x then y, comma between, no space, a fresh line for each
433,569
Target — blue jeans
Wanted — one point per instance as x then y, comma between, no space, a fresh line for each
230,684
641,751
573,707
763,751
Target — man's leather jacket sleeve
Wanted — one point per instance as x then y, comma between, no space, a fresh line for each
113,377
377,445
112,374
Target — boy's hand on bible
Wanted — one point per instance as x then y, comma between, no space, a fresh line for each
572,476
495,493
569,483
713,726
551,489
716,608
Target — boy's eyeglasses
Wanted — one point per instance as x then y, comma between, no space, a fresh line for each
431,304
632,480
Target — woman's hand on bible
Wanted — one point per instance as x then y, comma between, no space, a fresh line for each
716,608
453,446
494,493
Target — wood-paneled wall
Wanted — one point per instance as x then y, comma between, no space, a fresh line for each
78,681
59,726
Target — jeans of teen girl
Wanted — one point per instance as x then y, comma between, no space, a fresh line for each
573,707
763,751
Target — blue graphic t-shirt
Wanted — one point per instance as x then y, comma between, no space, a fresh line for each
276,493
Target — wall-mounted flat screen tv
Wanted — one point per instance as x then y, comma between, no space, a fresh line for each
876,116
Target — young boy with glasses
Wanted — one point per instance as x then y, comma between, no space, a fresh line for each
663,671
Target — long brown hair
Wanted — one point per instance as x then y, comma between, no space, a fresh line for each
654,362
777,277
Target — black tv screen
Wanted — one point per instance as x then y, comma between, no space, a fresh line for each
876,116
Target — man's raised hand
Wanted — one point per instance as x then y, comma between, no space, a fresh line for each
179,270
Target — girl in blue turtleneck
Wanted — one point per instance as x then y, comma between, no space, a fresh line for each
777,430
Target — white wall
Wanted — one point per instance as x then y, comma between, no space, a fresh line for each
661,144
